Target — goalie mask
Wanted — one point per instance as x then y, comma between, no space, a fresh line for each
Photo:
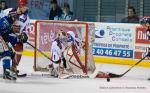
62,36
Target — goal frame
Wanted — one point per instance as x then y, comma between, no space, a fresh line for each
63,22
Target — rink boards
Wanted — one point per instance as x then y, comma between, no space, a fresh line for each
115,43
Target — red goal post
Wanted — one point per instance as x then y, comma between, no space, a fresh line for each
45,33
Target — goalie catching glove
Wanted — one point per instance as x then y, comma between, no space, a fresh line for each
23,37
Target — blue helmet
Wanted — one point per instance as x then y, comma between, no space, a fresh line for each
145,20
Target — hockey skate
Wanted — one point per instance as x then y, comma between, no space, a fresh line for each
52,70
9,75
57,71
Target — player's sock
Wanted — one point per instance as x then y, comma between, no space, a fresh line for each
6,65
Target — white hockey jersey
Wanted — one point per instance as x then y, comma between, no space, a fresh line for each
57,49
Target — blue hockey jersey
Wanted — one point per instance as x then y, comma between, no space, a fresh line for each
6,30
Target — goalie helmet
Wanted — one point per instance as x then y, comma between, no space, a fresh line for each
61,33
144,20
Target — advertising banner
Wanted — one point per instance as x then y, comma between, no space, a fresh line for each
114,40
142,43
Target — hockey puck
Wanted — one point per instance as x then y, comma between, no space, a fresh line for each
108,79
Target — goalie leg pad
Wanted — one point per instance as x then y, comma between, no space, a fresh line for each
54,72
53,69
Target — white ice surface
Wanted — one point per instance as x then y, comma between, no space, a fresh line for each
134,82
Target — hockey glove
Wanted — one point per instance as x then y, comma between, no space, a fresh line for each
23,37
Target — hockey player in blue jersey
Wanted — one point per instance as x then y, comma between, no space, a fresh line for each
7,40
24,22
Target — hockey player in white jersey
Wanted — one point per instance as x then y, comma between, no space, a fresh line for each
57,63
24,22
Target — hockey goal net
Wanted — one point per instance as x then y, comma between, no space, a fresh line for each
77,61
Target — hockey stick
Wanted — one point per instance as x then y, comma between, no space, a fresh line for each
111,75
39,51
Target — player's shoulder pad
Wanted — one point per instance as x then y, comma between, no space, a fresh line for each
23,18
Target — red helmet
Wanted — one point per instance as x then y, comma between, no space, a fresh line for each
22,3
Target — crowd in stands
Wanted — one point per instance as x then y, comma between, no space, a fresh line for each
56,13
132,17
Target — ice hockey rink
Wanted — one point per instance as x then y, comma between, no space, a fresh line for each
134,81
